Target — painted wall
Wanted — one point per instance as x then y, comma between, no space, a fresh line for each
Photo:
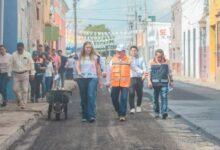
10,25
1,20
176,39
214,7
191,30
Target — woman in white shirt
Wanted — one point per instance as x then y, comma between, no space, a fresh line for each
89,72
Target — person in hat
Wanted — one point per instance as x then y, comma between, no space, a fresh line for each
118,78
22,66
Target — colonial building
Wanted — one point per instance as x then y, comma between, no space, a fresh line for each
214,66
1,20
158,38
176,36
24,21
59,9
192,13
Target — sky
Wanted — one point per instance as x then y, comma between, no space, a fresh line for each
113,13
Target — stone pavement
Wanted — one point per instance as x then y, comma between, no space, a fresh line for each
14,121
198,105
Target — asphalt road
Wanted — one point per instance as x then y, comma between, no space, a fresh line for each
198,105
139,132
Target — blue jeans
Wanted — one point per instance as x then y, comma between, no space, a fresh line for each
48,84
162,92
120,105
3,85
88,90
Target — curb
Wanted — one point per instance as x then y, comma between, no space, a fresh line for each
30,122
195,127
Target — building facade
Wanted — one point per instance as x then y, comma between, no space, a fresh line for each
176,37
1,20
191,37
28,23
214,41
59,9
159,37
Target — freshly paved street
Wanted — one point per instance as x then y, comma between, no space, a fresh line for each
198,105
140,132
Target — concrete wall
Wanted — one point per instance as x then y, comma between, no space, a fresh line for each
192,12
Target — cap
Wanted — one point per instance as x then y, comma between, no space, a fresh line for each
120,48
20,44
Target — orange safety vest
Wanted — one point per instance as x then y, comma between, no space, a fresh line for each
120,72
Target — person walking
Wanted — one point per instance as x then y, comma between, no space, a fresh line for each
49,75
56,63
137,79
5,73
160,77
22,66
118,78
69,67
62,68
89,72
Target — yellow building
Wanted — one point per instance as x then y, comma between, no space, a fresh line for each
214,55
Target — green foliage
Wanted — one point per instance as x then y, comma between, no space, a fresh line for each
97,28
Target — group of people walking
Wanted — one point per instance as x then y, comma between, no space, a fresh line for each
125,78
43,70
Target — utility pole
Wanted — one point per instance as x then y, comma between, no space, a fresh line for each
75,23
145,53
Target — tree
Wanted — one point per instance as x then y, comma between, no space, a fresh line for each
96,28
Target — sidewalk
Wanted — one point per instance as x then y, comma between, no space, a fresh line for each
197,82
14,121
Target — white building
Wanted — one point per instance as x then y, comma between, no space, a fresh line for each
158,38
192,13
1,20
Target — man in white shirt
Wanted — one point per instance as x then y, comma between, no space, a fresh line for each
137,78
22,66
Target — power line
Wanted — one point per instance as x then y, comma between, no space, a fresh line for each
109,9
121,20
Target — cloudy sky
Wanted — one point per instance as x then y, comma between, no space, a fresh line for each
113,13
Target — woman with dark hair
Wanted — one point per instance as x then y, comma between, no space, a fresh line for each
89,73
159,79
5,73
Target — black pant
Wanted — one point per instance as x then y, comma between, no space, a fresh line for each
33,86
62,77
136,86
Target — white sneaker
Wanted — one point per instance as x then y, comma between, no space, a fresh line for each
138,109
132,111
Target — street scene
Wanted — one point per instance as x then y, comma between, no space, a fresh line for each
116,74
